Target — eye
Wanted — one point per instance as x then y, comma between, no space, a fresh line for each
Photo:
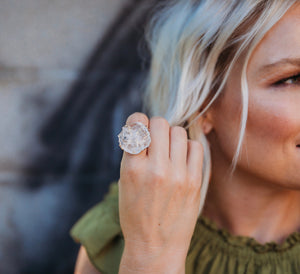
293,80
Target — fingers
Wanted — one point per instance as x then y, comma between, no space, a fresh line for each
195,161
178,148
137,117
169,144
158,150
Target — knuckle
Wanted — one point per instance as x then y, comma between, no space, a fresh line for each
131,168
197,149
179,131
137,116
194,182
158,175
196,145
131,171
160,121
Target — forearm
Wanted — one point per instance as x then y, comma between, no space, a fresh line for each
83,264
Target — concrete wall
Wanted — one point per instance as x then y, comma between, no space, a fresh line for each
43,45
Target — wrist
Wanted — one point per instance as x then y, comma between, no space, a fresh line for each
148,260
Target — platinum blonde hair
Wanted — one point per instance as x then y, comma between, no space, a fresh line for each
194,45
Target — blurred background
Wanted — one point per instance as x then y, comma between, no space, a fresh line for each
71,71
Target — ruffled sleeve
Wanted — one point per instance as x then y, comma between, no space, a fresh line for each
100,233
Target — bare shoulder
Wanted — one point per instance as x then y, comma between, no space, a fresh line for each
83,264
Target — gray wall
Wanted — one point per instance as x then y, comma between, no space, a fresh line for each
43,46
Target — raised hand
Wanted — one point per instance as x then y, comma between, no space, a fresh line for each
159,197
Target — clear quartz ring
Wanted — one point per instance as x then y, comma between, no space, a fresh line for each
134,139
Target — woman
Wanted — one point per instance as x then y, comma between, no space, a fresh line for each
224,85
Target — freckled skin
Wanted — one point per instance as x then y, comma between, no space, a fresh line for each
273,125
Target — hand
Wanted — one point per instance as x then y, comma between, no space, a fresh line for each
159,197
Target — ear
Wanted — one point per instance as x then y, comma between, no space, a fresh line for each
205,121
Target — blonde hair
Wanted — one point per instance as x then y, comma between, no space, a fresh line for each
194,45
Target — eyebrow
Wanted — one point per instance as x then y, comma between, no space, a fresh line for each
283,62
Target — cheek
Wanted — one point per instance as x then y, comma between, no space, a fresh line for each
270,122
269,147
224,137
271,126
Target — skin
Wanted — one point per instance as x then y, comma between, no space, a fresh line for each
83,265
159,195
267,179
159,188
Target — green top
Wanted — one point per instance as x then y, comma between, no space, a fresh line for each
212,250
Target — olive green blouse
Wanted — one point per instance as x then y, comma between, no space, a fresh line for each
212,250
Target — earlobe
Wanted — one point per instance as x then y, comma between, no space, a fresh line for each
204,122
207,127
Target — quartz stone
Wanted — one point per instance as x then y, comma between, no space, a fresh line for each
134,139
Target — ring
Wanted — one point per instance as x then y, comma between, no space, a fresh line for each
134,139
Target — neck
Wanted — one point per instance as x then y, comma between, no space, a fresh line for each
250,206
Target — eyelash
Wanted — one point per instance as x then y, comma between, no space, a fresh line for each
282,82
